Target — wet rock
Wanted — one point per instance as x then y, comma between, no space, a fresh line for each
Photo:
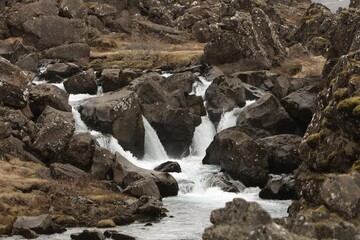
267,114
260,79
340,194
103,161
106,223
63,70
223,95
195,104
44,95
253,93
283,151
254,133
117,113
282,189
168,166
67,172
88,235
69,52
12,95
224,182
117,236
242,220
183,81
55,130
239,156
73,9
84,82
143,187
126,173
80,143
149,206
29,234
301,105
40,224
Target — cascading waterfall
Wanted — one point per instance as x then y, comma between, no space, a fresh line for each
197,196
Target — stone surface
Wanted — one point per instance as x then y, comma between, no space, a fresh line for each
143,187
67,172
168,166
84,82
69,52
40,224
88,235
282,189
73,9
103,161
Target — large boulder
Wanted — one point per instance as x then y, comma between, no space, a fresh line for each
183,81
69,52
40,224
84,82
143,187
119,114
282,189
238,155
267,113
283,151
44,95
223,95
102,166
243,220
88,235
62,70
80,143
55,130
168,166
73,9
14,85
51,31
67,172
126,173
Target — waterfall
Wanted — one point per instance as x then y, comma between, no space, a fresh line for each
203,136
154,150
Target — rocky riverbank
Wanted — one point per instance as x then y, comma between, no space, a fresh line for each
298,60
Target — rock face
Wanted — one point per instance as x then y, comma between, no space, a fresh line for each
127,174
117,113
262,115
239,156
55,130
67,172
242,220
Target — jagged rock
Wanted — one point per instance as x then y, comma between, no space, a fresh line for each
40,224
102,9
103,161
73,9
55,130
84,82
239,156
149,206
143,187
283,151
168,166
242,220
88,235
44,95
341,194
51,31
69,52
14,85
260,79
267,113
301,105
28,62
117,113
67,172
282,189
195,105
212,73
80,143
183,81
254,133
223,95
253,93
224,182
62,70
319,46
29,234
106,223
125,173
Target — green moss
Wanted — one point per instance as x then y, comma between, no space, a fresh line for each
341,94
349,104
355,79
356,111
356,166
313,140
324,123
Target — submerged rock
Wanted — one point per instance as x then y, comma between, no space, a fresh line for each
88,235
168,166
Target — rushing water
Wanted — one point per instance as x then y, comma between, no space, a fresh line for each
189,212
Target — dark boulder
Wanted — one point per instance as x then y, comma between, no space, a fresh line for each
183,81
168,166
117,236
40,224
223,95
67,172
12,95
102,165
224,182
6,130
267,113
110,79
143,187
282,189
73,9
239,156
55,130
195,104
301,105
117,113
63,70
201,32
260,79
125,173
88,235
79,152
84,82
69,52
149,206
283,152
44,95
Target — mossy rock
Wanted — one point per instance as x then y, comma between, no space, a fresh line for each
341,94
65,220
106,223
349,104
313,140
356,111
356,166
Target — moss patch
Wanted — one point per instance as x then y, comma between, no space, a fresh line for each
313,140
349,104
341,94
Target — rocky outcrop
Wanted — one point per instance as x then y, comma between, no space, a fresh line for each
117,113
239,156
261,115
127,174
242,220
67,172
283,188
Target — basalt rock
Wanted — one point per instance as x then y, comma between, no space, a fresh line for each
117,113
282,189
84,82
88,235
63,70
239,156
143,187
73,9
40,224
168,166
67,172
102,166
69,52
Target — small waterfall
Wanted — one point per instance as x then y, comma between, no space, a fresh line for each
199,88
203,136
154,150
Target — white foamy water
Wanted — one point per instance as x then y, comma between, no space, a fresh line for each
189,212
